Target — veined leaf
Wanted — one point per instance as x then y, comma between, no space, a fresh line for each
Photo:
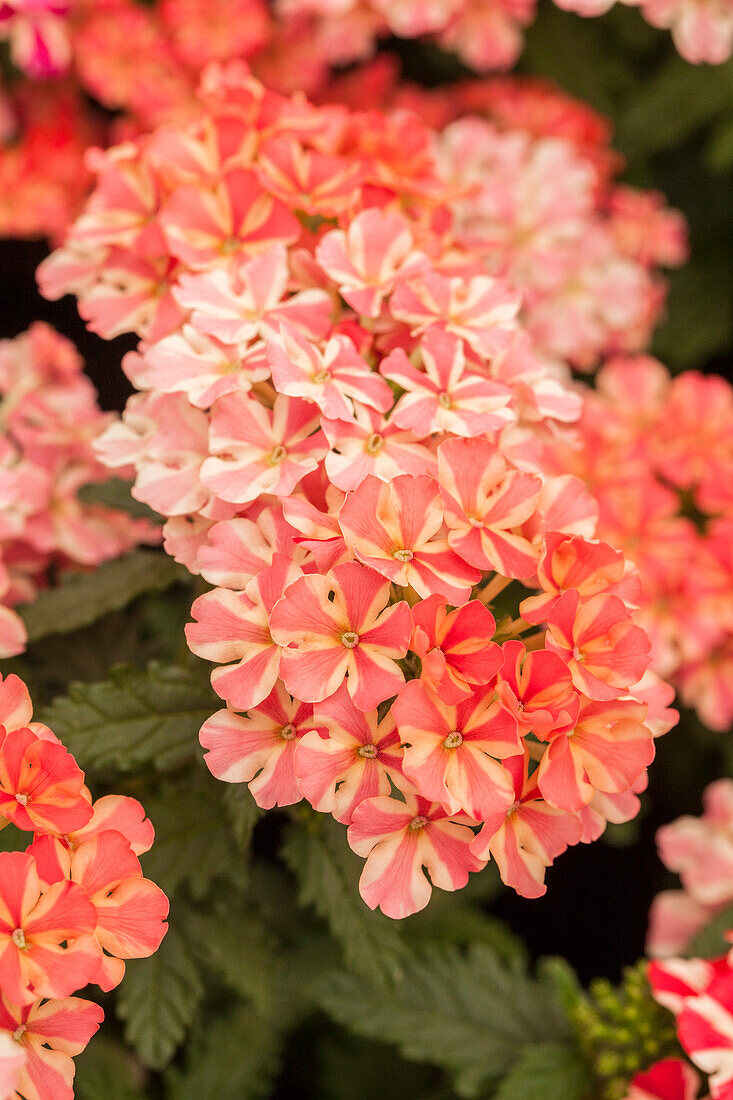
158,1000
548,1071
233,1057
328,873
134,718
472,1014
82,598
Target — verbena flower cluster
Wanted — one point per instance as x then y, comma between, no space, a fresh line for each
73,906
346,424
49,420
537,197
179,36
658,454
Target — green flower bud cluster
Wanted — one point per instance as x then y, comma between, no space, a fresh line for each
622,1030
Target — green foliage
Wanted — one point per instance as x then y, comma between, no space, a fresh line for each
710,942
134,718
243,812
471,1014
158,999
235,1056
550,1071
115,492
193,843
622,1030
317,853
107,1069
82,598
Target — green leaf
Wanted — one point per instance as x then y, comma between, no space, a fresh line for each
135,718
239,948
115,492
710,941
232,1057
548,1071
158,1000
328,872
106,1069
698,319
82,598
674,102
471,1014
193,841
243,811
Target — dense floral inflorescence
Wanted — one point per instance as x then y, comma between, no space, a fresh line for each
73,906
49,420
346,424
294,42
537,196
657,453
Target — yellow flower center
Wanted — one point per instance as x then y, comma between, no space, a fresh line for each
403,555
418,822
350,639
288,732
368,751
278,455
453,740
18,938
374,443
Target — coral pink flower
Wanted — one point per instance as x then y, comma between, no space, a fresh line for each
352,762
700,994
396,529
700,850
575,563
168,440
45,946
672,1079
120,814
525,839
455,648
204,227
236,550
605,652
306,180
259,749
233,626
49,1035
399,839
607,751
365,260
702,32
241,303
16,709
260,451
331,378
339,626
450,750
318,532
207,30
481,310
130,909
445,397
199,366
369,444
39,37
485,503
41,786
537,689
